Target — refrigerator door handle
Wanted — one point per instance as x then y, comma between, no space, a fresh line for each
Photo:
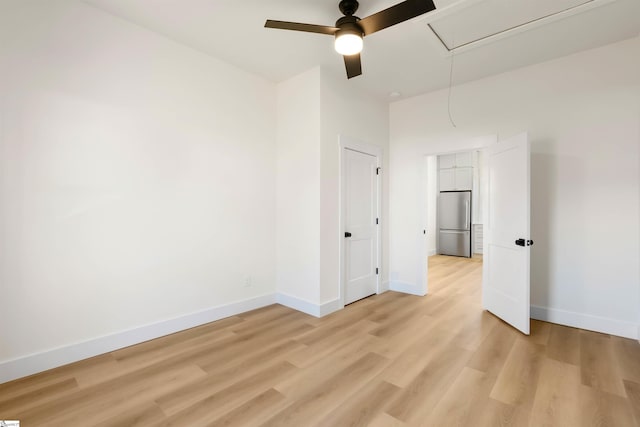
467,214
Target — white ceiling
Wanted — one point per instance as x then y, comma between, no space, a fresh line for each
406,58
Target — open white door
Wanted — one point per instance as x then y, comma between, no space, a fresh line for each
505,287
360,192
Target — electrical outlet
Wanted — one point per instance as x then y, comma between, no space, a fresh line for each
247,281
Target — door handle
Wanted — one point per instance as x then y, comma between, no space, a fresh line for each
347,234
522,242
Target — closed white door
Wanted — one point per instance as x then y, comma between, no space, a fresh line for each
360,188
505,288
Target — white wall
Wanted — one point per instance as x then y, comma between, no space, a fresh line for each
582,114
348,112
137,178
314,109
298,189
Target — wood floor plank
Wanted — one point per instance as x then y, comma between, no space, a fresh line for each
627,353
518,379
184,410
557,396
602,409
496,413
454,409
564,344
414,359
33,398
324,397
418,398
362,407
476,329
494,350
385,420
299,383
140,416
220,392
540,332
633,395
99,403
254,411
598,364
309,354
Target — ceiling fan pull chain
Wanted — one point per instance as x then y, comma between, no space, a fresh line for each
453,51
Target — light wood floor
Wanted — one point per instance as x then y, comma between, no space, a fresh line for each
389,360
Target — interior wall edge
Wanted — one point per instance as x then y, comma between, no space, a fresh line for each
39,362
589,322
405,288
385,286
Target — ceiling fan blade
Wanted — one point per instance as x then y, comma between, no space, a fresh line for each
353,65
395,14
296,26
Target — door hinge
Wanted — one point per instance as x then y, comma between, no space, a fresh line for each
376,270
378,171
377,221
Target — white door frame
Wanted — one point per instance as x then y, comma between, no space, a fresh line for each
470,145
347,142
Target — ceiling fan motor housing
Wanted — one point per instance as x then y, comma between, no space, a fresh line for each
348,7
349,25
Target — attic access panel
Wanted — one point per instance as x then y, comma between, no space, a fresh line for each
488,18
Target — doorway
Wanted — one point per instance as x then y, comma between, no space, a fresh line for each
505,236
454,220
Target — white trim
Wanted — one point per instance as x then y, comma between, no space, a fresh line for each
406,288
308,307
589,322
34,363
330,307
347,142
441,13
299,304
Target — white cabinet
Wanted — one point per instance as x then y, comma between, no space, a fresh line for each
456,179
447,179
456,171
464,178
447,161
464,160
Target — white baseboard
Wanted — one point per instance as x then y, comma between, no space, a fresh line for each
432,252
405,287
330,307
604,325
308,307
28,365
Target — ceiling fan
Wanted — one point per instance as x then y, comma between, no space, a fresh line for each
349,30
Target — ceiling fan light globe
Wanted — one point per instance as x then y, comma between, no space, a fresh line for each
348,44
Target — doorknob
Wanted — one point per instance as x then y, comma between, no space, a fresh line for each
347,234
522,242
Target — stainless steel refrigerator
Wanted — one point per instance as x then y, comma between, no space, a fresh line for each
454,223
